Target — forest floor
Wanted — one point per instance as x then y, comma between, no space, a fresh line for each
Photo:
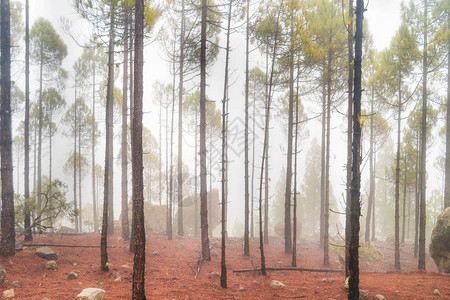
170,275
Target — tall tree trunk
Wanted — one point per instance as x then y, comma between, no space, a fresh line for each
27,222
131,113
93,142
108,181
371,175
323,164
138,185
79,181
75,199
171,192
223,265
373,194
266,167
447,132
39,167
252,188
326,210
349,134
180,125
404,202
160,156
423,147
246,193
195,176
124,213
203,194
8,239
397,179
353,266
287,192
417,200
294,233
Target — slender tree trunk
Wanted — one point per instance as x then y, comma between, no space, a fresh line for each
353,266
252,188
27,222
108,181
349,134
171,192
323,165
138,185
75,199
124,213
93,142
447,132
196,212
397,180
180,125
132,237
8,239
423,148
223,273
79,181
203,194
160,156
266,167
409,214
294,233
110,130
39,168
326,210
371,175
246,193
373,195
404,203
417,200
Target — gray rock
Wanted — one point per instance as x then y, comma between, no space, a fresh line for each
46,253
440,242
118,277
255,282
155,253
213,253
275,284
2,275
8,293
180,245
241,288
15,284
45,298
91,294
72,276
51,265
380,297
214,273
363,294
19,246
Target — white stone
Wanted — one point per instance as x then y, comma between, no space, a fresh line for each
275,284
91,294
8,293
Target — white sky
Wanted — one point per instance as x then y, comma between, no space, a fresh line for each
383,18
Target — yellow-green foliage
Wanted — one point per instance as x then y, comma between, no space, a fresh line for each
366,251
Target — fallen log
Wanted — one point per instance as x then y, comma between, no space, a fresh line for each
291,269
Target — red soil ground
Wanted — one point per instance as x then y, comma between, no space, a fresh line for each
169,275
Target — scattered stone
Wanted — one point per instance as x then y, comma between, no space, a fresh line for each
436,292
214,273
380,297
241,288
125,266
440,242
155,253
275,284
8,293
213,253
118,277
72,276
51,265
46,253
255,282
120,239
363,294
327,280
45,298
19,246
180,245
2,275
91,294
15,284
75,264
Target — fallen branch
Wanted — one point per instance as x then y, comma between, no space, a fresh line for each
199,266
291,269
69,246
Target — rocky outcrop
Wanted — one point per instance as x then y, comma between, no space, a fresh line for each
440,242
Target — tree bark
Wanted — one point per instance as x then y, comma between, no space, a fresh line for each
93,142
203,194
246,193
124,213
137,165
353,266
180,125
371,175
27,221
447,132
8,239
326,210
397,181
423,147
